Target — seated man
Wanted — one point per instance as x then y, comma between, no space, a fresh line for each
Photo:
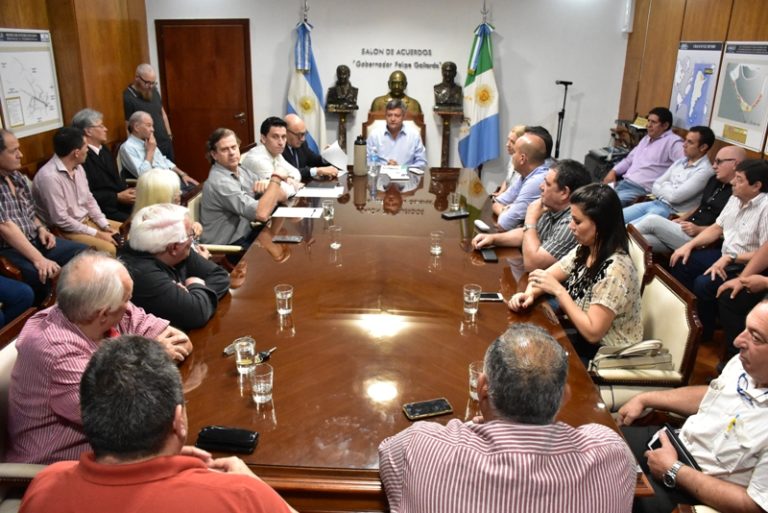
742,226
55,345
517,454
63,198
143,465
112,194
397,84
229,204
666,235
297,152
396,144
545,237
24,239
725,433
265,160
172,281
530,159
139,153
647,161
679,189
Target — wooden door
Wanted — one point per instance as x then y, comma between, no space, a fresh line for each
205,74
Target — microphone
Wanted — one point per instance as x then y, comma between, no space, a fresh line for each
563,82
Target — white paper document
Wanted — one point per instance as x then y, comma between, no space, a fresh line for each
395,172
320,192
297,212
335,156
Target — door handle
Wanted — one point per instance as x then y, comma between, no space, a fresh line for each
240,115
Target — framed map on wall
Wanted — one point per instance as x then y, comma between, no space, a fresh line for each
693,89
740,115
29,91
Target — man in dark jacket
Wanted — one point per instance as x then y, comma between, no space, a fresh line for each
297,153
171,280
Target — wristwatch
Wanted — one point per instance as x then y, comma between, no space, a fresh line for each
527,227
670,476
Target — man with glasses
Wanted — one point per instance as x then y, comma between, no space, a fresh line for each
725,432
142,94
170,280
297,152
666,235
112,194
648,160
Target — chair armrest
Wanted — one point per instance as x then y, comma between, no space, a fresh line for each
222,248
19,473
648,377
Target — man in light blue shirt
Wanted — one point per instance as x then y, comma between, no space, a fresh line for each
139,153
396,145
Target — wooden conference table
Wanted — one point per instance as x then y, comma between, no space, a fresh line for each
376,324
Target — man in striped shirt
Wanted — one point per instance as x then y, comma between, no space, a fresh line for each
545,236
518,458
93,303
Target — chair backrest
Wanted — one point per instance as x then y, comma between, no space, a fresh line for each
379,118
193,204
641,254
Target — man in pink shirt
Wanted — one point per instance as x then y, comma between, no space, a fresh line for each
93,303
63,198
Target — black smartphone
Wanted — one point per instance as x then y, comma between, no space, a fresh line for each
491,297
424,409
227,439
290,239
489,255
457,214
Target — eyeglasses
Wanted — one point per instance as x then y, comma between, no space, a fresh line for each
147,82
720,161
100,125
741,388
300,135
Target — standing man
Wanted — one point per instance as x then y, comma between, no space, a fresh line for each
545,237
93,302
396,144
172,281
679,189
144,464
142,95
229,204
666,235
297,152
140,151
112,194
63,198
24,238
658,150
517,458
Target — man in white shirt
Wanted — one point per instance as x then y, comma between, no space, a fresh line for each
267,159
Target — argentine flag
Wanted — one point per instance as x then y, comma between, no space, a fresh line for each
305,93
479,135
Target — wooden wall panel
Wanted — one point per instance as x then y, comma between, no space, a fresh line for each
706,20
634,60
66,51
657,73
749,21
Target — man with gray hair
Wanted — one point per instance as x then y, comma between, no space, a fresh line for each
395,144
111,192
171,281
142,94
55,345
517,457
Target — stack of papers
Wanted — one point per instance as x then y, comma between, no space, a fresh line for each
320,192
395,172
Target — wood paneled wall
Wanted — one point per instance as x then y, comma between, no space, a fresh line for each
96,45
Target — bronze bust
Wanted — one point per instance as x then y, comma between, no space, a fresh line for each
397,84
448,94
342,96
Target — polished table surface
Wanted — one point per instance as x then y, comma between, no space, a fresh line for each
376,324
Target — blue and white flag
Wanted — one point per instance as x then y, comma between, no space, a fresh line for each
479,135
305,93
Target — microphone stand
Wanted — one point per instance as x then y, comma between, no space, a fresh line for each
561,115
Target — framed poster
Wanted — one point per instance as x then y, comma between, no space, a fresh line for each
29,91
741,106
693,89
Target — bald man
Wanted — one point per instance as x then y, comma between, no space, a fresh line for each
297,153
530,159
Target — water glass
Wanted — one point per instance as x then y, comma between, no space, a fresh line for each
328,209
284,298
261,383
471,298
475,369
454,201
245,354
436,242
335,232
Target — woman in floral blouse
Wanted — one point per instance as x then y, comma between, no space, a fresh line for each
596,283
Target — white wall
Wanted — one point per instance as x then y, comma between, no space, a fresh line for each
536,42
